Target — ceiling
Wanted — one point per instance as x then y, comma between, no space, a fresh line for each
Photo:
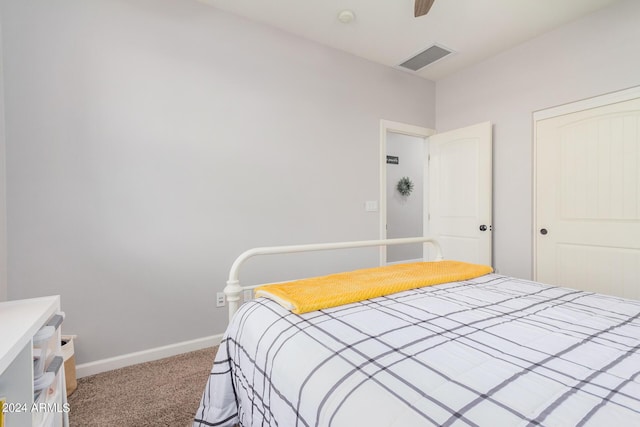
385,31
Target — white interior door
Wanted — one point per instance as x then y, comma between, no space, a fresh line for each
588,199
460,192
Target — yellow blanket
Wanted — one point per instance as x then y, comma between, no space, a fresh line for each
302,296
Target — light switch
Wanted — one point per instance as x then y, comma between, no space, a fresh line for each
371,206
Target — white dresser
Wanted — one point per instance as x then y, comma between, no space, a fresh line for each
19,321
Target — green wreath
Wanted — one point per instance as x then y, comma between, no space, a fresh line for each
405,186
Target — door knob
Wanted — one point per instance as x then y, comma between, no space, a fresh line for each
543,231
483,227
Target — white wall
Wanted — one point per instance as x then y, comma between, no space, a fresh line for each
150,142
404,213
591,56
3,187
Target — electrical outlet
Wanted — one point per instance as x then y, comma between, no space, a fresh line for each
220,299
248,294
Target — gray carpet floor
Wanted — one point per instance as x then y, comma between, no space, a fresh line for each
165,392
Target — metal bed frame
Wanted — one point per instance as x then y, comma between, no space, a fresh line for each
234,291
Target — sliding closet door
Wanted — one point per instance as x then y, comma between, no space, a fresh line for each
588,199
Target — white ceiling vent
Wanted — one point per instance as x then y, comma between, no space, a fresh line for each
426,57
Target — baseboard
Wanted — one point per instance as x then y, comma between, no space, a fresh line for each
92,368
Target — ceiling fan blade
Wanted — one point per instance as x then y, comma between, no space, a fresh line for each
422,7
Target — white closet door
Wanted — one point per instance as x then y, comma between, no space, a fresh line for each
588,199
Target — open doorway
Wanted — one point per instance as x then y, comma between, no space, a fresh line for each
405,194
457,192
402,215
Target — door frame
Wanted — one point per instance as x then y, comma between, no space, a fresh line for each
547,113
404,129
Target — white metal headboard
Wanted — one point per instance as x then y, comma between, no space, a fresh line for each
234,290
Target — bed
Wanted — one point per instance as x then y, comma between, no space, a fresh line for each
490,350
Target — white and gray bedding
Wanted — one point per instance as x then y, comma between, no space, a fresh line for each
491,351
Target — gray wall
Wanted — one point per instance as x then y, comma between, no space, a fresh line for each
3,186
149,142
591,56
3,224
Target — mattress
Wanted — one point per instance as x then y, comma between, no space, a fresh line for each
490,351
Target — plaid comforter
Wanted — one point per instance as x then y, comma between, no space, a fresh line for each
491,351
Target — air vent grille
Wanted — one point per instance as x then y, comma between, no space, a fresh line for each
426,57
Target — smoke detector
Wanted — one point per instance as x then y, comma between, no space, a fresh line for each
346,16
